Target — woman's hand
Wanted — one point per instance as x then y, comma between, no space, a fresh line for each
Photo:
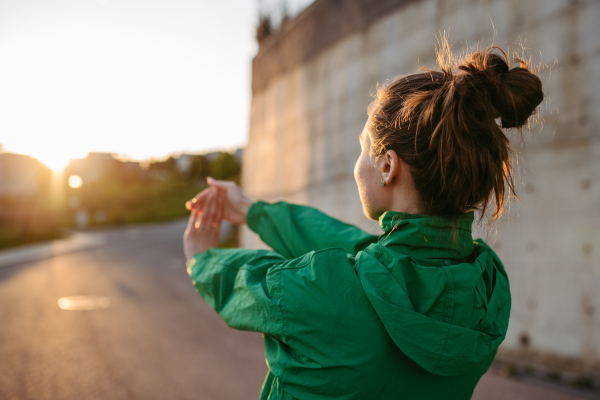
235,202
204,225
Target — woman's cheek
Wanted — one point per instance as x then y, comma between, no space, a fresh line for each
362,180
358,172
356,166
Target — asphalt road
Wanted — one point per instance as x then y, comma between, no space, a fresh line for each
157,340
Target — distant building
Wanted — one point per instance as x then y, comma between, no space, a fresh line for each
92,167
184,162
212,156
239,155
19,175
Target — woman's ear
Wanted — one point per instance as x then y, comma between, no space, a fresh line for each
390,166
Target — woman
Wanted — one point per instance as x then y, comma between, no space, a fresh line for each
416,313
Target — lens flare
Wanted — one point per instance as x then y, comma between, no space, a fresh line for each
75,181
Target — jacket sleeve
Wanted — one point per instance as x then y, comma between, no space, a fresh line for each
235,283
293,230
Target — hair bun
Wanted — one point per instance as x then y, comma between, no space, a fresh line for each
442,124
514,93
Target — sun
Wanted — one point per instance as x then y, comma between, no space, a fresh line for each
56,157
56,162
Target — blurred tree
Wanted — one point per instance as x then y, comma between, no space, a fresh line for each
113,192
165,169
225,166
198,170
26,210
204,166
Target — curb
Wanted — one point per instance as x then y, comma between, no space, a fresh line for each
78,241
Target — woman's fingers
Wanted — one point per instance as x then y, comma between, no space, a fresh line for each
219,184
198,200
219,212
235,202
228,188
216,230
208,211
193,221
204,225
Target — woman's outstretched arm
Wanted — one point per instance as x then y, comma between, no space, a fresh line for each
232,281
235,284
291,230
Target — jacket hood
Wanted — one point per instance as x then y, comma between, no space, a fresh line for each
443,298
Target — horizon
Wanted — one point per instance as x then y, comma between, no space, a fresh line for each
142,79
125,158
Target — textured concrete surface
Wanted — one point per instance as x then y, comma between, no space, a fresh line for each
305,122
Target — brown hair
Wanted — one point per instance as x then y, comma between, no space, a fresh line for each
442,124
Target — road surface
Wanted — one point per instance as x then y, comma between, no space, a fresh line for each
156,340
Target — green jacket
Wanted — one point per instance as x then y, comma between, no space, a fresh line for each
416,313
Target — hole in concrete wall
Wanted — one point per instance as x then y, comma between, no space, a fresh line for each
586,183
530,246
524,339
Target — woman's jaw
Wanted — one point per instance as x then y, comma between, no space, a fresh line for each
384,182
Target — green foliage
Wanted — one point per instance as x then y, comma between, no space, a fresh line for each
225,166
26,216
199,168
11,236
25,221
113,193
135,202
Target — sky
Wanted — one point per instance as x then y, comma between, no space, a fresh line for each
143,79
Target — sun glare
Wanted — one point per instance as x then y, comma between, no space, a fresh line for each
75,181
55,162
55,156
83,79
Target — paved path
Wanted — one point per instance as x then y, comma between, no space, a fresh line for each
157,340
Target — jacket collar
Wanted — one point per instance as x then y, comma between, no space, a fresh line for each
426,236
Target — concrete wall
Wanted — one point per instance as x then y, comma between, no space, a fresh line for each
309,106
